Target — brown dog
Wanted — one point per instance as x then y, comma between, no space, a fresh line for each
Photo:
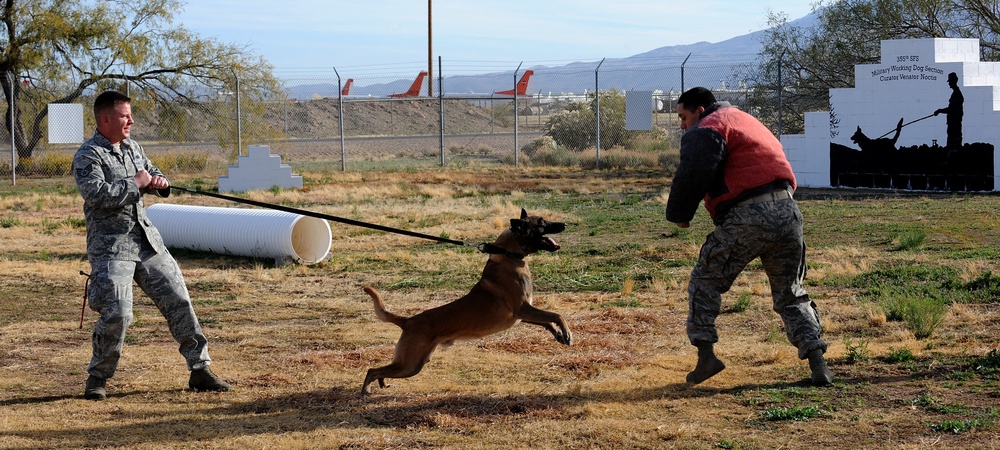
500,299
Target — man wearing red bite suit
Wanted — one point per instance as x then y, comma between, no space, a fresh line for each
736,165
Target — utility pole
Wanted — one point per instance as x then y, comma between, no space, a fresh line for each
430,53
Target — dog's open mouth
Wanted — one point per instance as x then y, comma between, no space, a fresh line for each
550,244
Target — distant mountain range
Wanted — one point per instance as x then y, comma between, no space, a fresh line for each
707,64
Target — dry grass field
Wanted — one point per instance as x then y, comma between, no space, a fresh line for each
295,340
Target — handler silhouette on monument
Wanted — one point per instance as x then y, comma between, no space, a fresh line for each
953,113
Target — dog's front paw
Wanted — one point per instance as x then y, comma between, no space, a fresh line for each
565,338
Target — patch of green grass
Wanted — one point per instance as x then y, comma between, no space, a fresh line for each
929,403
797,413
9,222
986,252
990,361
897,356
207,302
209,286
985,286
909,240
743,302
856,351
622,303
956,426
890,282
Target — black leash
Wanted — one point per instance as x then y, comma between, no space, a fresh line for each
484,247
905,124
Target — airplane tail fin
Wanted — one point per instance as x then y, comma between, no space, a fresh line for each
347,87
522,85
414,90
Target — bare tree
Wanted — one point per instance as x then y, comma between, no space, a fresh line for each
55,51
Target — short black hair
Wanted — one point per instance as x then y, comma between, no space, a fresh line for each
107,100
695,97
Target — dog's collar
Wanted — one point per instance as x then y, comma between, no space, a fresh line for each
497,250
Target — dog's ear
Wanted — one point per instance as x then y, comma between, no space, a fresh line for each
516,224
524,214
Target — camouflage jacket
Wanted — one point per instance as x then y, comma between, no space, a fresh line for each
112,202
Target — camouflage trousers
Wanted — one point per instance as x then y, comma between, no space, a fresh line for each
772,231
110,294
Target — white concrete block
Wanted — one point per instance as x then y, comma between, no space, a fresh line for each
258,170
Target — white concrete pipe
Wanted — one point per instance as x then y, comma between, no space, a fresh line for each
257,233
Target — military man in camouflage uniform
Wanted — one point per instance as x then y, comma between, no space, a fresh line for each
112,173
736,165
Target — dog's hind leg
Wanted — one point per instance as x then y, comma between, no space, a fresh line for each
409,358
545,319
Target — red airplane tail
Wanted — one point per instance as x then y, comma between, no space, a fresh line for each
522,85
347,87
414,90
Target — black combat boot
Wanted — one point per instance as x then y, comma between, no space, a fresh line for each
95,389
708,365
205,380
821,374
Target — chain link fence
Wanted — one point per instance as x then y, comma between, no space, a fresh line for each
328,122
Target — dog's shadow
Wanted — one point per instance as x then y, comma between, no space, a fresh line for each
343,407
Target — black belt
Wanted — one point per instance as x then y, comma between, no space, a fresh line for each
772,196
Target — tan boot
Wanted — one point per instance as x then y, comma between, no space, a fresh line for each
708,365
205,380
821,374
95,389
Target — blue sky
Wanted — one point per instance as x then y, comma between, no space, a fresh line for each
381,36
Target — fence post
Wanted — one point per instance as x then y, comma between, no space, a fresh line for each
597,113
239,115
780,112
13,147
515,112
440,109
340,120
682,71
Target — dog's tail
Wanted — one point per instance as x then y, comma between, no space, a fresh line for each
380,311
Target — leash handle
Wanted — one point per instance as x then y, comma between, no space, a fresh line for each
321,216
86,294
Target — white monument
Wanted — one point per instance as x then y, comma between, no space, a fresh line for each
905,125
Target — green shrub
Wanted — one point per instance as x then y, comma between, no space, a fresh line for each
896,356
923,315
910,240
669,162
618,158
559,157
544,143
9,221
573,129
51,164
180,162
893,308
856,352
